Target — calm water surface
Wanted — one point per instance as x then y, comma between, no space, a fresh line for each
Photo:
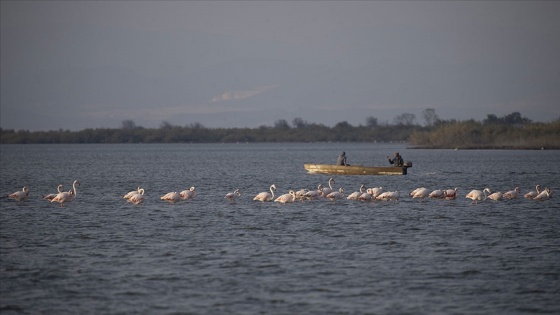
102,255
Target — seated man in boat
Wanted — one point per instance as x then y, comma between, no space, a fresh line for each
342,159
397,160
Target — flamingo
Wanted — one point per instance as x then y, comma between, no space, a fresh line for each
67,196
421,193
512,194
367,196
355,195
188,193
314,194
265,195
438,194
300,194
131,193
231,196
138,197
395,196
285,198
171,197
20,195
389,195
329,190
476,195
450,194
336,194
497,196
376,191
383,196
533,194
544,195
50,197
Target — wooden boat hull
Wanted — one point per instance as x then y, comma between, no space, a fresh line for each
356,170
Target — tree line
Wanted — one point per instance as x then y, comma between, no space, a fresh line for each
509,131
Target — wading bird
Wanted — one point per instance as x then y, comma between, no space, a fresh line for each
265,195
477,195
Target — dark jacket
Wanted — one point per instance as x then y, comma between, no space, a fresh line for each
342,159
397,161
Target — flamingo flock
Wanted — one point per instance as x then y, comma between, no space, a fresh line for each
330,193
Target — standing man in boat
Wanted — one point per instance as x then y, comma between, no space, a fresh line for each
397,160
342,159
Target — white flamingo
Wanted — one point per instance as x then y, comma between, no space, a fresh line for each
131,193
383,196
451,194
138,197
355,195
50,197
544,195
395,196
171,197
532,194
285,198
367,196
415,190
477,195
314,194
300,194
20,195
389,195
512,194
67,196
231,196
438,194
336,194
421,193
188,193
496,196
265,195
376,191
329,190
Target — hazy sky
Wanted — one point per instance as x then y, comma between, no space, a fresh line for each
92,64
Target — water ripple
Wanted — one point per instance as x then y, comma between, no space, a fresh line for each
101,254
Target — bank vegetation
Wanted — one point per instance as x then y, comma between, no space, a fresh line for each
508,132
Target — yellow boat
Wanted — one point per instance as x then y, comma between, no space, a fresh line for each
356,169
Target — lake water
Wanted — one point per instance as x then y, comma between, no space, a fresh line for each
102,255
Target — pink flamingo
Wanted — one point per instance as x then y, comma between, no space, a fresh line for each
265,195
67,196
20,195
171,197
188,193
